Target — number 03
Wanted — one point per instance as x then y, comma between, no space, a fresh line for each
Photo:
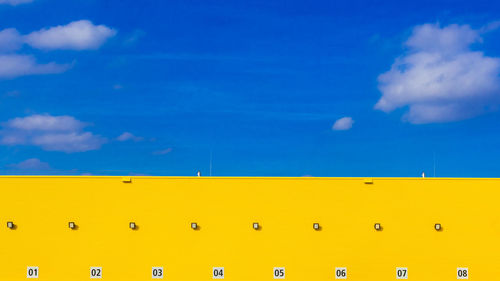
157,273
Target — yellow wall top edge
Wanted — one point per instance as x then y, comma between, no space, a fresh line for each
247,177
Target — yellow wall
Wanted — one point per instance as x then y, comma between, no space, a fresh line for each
225,208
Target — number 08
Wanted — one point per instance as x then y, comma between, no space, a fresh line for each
462,273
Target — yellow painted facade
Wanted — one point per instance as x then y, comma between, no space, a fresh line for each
225,210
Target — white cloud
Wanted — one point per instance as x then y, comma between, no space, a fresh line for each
15,2
12,66
129,136
163,152
440,79
52,133
10,40
450,39
45,123
342,124
77,35
32,164
68,142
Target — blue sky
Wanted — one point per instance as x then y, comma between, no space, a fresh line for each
257,88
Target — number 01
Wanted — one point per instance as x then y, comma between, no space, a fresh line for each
32,272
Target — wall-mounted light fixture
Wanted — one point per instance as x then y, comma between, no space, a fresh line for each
256,226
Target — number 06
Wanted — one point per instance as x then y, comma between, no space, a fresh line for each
340,273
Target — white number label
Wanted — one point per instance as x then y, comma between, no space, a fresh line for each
157,273
401,273
340,273
95,272
279,273
32,272
462,273
218,273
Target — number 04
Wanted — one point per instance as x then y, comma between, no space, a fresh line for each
218,273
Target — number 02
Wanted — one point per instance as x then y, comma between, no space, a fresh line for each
95,272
